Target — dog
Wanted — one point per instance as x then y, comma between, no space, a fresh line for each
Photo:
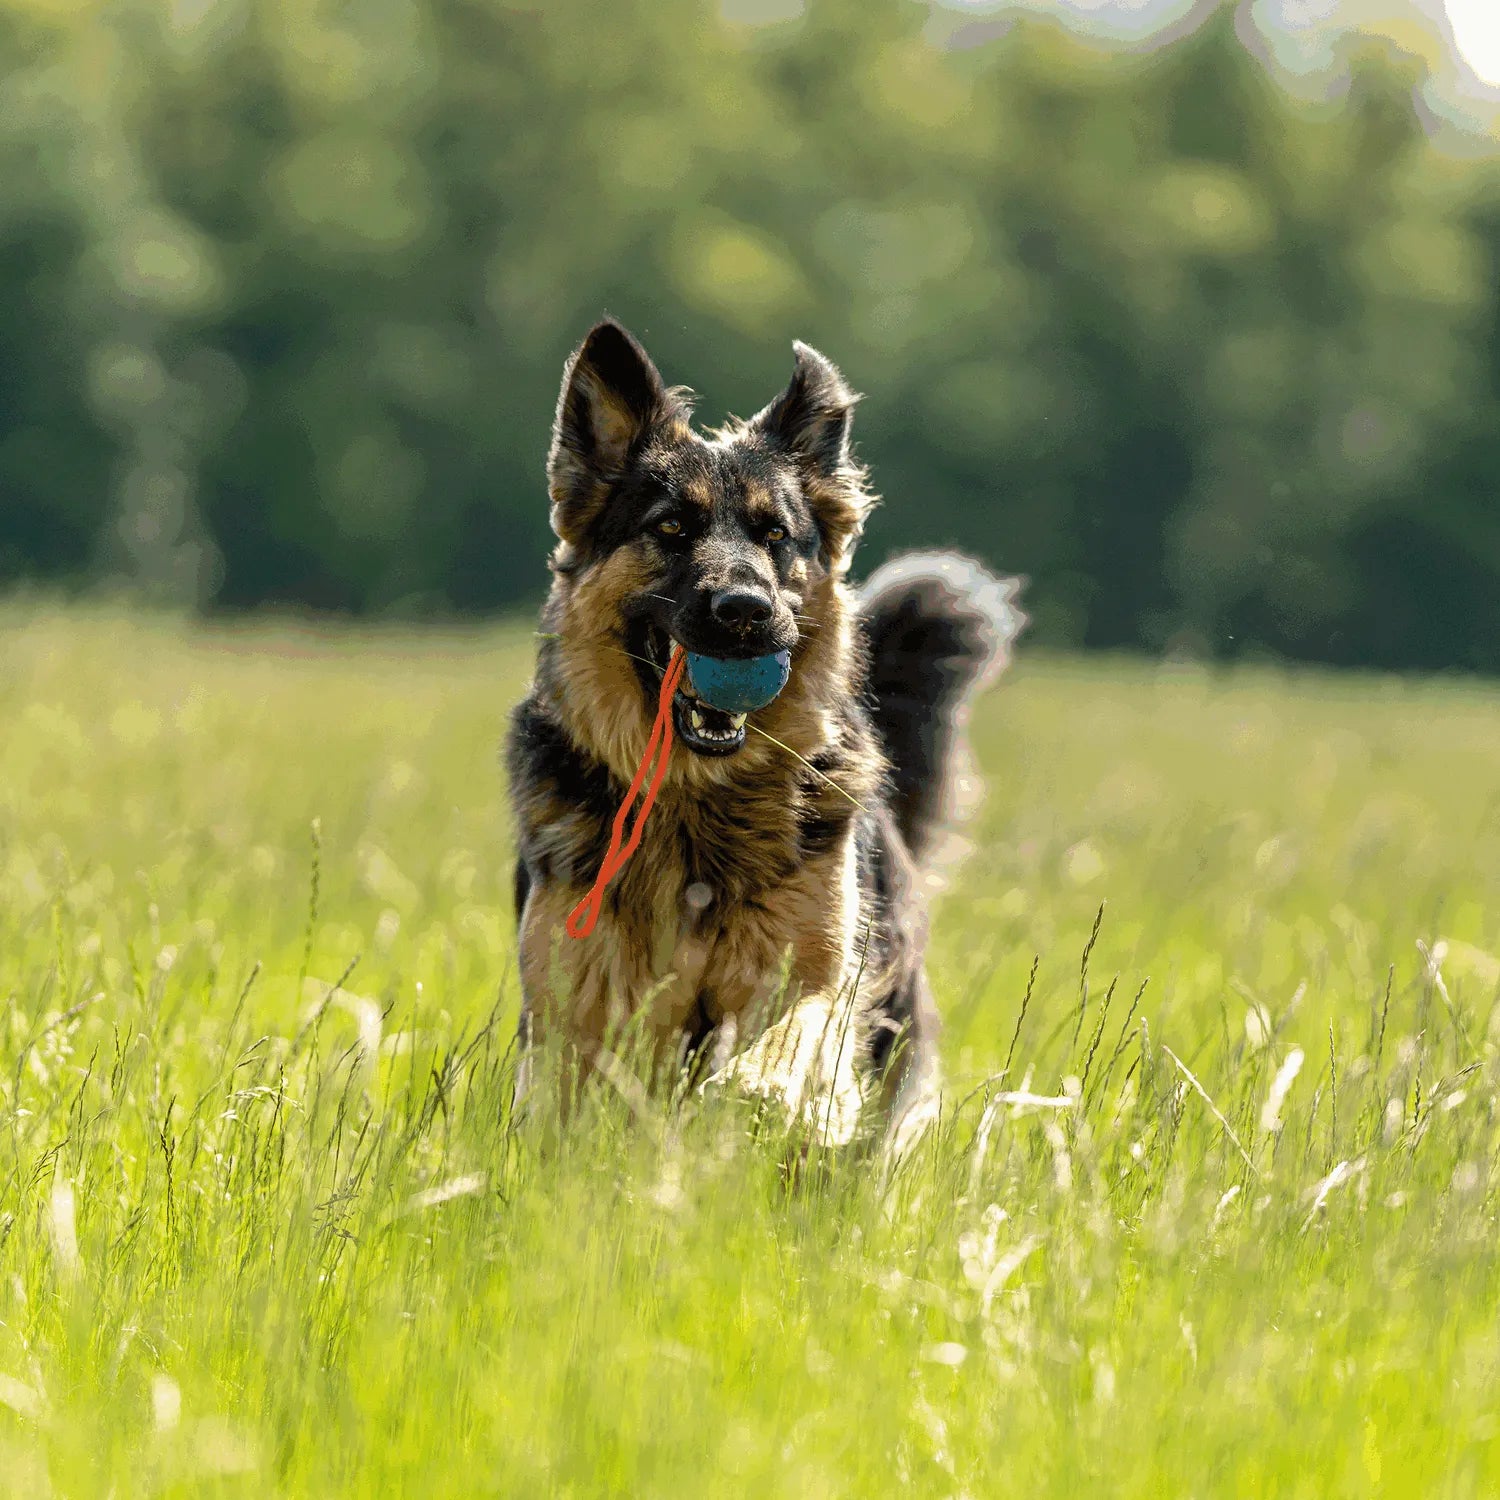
772,918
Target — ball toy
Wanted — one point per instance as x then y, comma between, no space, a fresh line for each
739,687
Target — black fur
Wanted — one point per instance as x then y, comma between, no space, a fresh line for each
808,835
937,626
539,754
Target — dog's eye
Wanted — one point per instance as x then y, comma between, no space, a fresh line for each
776,534
669,527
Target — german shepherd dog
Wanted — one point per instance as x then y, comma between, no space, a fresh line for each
772,916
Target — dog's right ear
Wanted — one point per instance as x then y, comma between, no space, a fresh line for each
611,394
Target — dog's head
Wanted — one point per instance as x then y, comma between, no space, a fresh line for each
726,543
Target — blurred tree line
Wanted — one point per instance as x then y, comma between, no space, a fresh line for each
286,286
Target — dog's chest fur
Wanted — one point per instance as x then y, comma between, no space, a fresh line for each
727,899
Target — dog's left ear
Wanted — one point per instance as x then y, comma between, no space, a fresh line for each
810,422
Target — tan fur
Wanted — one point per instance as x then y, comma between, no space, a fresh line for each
601,705
649,963
650,939
774,863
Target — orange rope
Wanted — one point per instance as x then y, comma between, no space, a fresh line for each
586,913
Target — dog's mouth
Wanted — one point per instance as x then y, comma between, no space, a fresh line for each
703,729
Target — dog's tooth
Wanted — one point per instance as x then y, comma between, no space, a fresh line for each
738,720
697,721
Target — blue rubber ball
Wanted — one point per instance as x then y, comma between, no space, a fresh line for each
739,687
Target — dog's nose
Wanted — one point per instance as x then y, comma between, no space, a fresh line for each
740,608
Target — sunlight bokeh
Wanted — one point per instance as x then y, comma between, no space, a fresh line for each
1476,34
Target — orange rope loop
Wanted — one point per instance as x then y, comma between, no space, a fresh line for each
586,913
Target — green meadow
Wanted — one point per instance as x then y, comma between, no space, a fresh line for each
1211,1209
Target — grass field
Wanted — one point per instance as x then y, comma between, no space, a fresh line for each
256,1241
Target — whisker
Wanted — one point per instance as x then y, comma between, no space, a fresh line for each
660,671
553,635
821,775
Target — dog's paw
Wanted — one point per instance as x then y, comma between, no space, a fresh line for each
803,1067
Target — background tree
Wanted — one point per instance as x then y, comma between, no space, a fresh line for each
288,286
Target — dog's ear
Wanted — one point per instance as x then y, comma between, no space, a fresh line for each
611,395
811,418
810,423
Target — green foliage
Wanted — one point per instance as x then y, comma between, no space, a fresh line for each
288,288
263,1236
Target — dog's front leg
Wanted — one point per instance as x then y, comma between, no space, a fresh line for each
625,994
805,1064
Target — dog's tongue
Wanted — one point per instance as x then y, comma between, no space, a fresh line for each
739,687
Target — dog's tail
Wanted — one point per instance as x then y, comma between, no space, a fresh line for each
938,628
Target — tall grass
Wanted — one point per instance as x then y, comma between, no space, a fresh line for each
1210,1208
